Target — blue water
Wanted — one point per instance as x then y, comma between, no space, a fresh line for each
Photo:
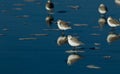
44,56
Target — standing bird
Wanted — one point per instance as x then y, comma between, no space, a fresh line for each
49,6
73,41
113,22
102,9
62,25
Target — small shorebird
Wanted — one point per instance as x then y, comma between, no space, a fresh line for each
62,25
73,41
102,9
49,6
113,22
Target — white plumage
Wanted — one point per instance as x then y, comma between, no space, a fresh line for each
102,9
63,25
112,22
73,41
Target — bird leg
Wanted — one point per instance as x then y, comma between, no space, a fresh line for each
74,48
63,33
112,29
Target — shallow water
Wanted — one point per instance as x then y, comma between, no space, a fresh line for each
43,55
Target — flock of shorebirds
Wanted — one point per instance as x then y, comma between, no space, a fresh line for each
72,40
112,22
75,42
62,25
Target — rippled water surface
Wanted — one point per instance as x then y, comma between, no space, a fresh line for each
41,54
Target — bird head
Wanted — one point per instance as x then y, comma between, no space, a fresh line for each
49,1
69,36
109,18
59,21
102,5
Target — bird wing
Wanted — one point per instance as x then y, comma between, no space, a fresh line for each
114,21
50,5
103,8
64,24
75,40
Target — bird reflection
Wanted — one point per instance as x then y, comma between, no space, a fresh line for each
49,6
113,37
102,21
49,20
61,40
73,58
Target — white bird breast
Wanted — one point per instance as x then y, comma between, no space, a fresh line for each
112,24
72,43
